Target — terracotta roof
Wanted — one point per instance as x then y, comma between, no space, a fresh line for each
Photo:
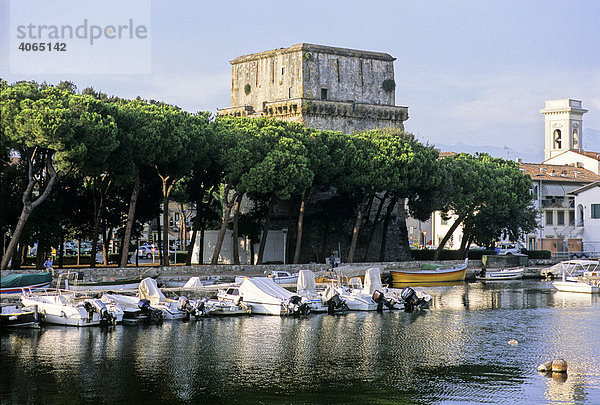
558,173
446,154
593,155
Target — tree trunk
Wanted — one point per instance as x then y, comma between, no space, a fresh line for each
28,206
227,205
236,217
105,242
356,229
403,233
130,218
160,241
446,238
165,244
375,221
97,209
386,224
201,247
464,245
265,232
61,252
300,225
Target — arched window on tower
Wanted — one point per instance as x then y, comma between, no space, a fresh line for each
575,139
557,139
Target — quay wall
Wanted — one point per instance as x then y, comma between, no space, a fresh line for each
99,273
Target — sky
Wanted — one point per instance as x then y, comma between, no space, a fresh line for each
474,74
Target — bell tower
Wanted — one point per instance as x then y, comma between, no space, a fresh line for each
563,126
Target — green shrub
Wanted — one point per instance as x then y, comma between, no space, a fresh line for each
247,89
181,257
388,85
538,254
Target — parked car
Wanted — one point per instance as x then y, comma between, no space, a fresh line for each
147,251
505,248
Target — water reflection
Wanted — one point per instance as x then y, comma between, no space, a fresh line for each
456,352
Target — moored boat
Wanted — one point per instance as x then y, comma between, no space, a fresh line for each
12,316
68,309
511,273
283,277
15,283
266,297
588,282
431,273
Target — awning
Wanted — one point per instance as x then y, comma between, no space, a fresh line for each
557,190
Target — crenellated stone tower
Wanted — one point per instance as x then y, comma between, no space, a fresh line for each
319,86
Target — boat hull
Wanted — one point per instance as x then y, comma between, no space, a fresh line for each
11,317
503,274
428,276
19,290
576,287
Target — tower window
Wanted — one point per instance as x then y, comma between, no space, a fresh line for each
282,70
290,92
575,139
557,139
323,94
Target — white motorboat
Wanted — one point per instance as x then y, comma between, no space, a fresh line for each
588,282
265,297
359,298
171,309
63,307
225,308
283,277
571,268
134,309
510,273
306,288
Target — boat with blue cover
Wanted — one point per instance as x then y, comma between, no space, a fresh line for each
15,283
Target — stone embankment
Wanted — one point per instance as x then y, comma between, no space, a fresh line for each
183,272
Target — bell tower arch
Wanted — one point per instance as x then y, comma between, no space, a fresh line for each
563,126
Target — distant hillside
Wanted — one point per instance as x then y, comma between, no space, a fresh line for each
591,142
505,153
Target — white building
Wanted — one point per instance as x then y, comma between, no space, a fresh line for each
587,215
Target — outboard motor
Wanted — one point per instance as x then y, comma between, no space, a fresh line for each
90,310
335,303
411,300
380,299
105,316
297,307
153,315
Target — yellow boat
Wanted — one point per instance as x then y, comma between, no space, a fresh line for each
434,275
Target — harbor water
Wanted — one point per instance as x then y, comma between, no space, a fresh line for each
455,352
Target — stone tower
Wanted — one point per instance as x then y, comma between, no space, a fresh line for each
319,86
563,126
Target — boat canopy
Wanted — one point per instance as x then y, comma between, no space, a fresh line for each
306,282
263,289
23,280
148,289
193,282
372,280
